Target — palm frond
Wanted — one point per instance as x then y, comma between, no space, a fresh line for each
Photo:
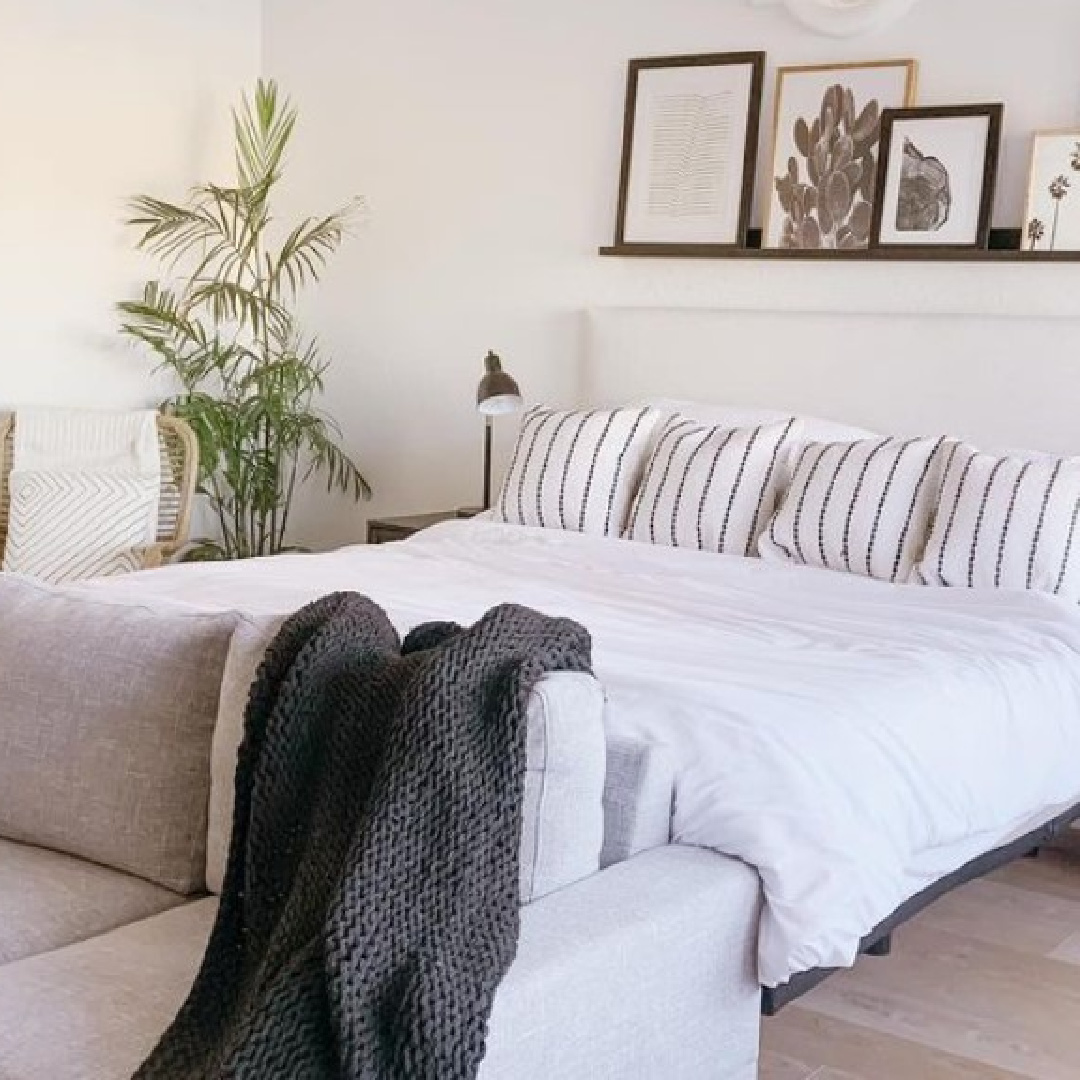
308,248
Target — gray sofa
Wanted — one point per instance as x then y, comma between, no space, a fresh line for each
643,968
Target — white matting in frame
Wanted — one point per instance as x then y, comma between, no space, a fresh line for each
691,142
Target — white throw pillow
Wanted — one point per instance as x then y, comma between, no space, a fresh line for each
862,507
68,526
575,469
710,488
1006,522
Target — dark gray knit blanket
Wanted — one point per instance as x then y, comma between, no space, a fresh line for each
370,906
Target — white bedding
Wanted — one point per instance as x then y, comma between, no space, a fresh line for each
852,740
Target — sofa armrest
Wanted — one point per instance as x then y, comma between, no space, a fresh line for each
646,969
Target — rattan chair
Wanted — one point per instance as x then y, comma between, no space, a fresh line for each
179,473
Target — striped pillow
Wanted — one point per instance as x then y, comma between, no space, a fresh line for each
862,507
710,488
576,469
1006,522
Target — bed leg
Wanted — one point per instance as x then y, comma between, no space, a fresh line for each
881,947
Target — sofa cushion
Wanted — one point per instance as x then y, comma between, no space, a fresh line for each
646,970
48,900
95,1010
639,795
106,720
563,810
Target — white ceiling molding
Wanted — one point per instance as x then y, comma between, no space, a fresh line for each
843,18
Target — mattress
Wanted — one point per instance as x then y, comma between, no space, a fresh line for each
853,741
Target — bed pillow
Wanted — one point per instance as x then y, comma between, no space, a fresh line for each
575,469
810,428
710,488
1006,522
861,507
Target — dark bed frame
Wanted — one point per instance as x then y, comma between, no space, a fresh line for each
879,941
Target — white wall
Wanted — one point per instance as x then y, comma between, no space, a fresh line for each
487,133
101,100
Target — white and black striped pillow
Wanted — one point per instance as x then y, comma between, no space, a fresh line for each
862,507
575,469
711,488
1006,522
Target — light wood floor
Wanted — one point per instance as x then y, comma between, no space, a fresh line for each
984,985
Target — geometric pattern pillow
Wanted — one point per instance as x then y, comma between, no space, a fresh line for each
575,469
1007,522
710,488
862,508
66,526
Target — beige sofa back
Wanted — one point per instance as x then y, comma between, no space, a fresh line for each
107,713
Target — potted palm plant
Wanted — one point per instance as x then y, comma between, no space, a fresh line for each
224,324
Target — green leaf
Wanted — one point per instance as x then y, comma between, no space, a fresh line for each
223,325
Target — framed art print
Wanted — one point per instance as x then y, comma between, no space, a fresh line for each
936,177
1052,217
825,149
689,150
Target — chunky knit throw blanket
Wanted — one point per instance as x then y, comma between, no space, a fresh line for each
370,906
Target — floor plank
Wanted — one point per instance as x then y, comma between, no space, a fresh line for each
778,1066
1033,922
845,1050
984,985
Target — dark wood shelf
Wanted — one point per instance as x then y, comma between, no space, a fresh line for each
1004,248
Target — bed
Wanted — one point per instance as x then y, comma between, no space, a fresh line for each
853,741
862,745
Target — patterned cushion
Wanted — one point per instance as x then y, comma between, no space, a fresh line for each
106,719
1006,522
65,526
575,470
710,488
862,507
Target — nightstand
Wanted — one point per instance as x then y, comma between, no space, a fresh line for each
384,530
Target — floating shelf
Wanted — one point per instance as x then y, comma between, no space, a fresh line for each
1004,247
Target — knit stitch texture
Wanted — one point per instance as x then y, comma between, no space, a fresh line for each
370,906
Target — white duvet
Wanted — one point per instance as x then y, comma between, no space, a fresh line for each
853,741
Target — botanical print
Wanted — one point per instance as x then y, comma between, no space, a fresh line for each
825,160
827,196
1052,222
925,192
937,173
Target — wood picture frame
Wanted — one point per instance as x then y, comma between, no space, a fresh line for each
689,152
805,155
1051,222
935,193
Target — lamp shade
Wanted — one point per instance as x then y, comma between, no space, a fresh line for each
497,393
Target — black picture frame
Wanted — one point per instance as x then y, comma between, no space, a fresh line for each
994,114
755,61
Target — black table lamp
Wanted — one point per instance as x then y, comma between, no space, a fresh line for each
497,395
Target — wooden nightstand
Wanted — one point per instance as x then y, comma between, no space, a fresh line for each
384,530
